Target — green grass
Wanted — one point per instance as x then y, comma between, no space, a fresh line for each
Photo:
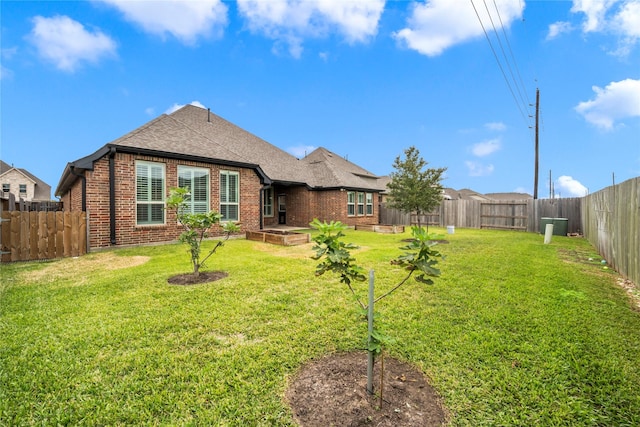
514,332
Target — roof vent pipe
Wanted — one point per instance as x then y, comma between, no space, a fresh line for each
208,115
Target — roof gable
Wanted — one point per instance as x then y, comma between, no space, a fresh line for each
277,164
328,170
168,135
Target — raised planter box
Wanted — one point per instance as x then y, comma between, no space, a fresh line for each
279,237
381,228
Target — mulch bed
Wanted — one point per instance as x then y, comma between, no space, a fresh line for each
191,279
332,392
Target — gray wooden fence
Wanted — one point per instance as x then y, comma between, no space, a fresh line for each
523,215
611,219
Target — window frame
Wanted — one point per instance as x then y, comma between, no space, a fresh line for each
190,204
360,200
351,203
267,202
6,187
369,204
21,187
150,203
224,195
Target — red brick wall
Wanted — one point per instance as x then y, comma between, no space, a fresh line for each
328,205
127,232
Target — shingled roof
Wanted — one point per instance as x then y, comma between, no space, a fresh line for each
195,133
329,170
277,164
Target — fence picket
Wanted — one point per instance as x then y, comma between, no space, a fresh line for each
33,235
5,236
59,234
42,235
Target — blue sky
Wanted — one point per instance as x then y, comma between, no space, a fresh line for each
364,79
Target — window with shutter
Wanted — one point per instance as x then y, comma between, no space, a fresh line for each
150,188
230,196
196,180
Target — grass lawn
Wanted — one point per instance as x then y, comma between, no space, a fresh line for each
514,332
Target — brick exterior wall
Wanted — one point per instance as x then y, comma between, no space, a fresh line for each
127,232
304,205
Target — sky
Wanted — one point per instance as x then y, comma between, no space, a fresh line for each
365,79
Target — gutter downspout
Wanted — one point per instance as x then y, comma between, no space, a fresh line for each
264,187
84,186
112,196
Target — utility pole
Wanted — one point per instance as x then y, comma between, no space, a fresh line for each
535,176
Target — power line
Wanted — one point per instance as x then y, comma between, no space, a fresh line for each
495,55
515,63
504,54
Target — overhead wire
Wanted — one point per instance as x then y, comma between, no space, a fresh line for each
495,54
515,63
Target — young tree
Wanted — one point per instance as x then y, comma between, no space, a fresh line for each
419,258
196,226
414,188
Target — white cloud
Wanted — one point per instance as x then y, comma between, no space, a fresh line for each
67,43
628,19
150,111
301,150
5,73
290,21
175,107
618,100
566,184
621,18
478,169
595,11
436,25
185,20
558,28
485,148
497,126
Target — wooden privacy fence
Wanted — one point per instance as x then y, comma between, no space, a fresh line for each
524,215
28,236
611,219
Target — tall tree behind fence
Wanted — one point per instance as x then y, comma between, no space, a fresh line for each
28,236
611,219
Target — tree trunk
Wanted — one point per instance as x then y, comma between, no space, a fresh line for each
196,269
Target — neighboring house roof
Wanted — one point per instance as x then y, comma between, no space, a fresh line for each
4,167
329,170
42,189
509,196
464,194
197,134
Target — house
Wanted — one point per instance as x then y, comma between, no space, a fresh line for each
22,184
124,184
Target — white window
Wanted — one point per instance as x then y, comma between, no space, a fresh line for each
369,203
351,203
267,202
360,204
150,185
230,196
23,189
6,188
196,180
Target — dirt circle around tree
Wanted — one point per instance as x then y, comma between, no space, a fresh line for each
188,279
331,391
